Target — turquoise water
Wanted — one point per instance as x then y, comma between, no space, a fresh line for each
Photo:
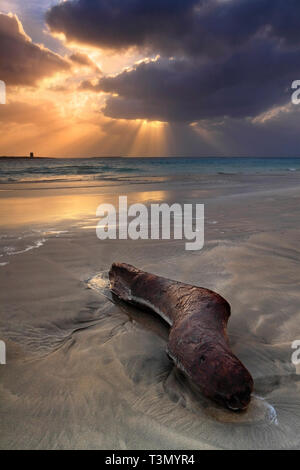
44,169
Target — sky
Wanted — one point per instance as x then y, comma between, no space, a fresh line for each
150,77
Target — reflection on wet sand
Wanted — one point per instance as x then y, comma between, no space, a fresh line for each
45,208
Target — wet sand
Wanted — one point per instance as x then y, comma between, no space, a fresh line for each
84,372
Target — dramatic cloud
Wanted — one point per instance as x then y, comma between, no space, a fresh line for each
244,85
234,58
122,23
84,60
218,72
23,62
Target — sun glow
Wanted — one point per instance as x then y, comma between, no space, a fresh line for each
61,118
150,138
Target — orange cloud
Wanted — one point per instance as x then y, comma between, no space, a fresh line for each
22,61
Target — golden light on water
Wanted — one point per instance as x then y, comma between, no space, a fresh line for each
50,206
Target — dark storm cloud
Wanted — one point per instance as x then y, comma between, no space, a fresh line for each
123,23
23,62
234,58
186,90
170,26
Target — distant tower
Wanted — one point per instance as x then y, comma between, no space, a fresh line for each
31,155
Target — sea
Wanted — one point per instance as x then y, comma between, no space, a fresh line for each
15,170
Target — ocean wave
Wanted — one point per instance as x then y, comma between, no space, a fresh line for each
11,250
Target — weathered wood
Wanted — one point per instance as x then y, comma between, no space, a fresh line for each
198,342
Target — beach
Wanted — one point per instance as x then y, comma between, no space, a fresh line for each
86,372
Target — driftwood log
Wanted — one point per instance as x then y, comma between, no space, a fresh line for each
198,342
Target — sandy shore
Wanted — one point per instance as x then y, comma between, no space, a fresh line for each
83,372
